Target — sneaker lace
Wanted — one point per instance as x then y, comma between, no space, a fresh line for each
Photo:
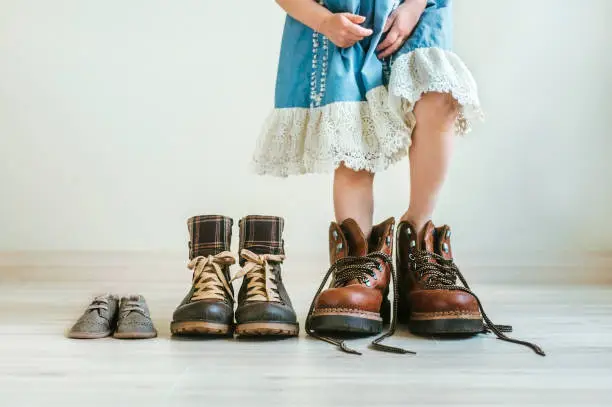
435,272
261,285
208,278
358,268
133,305
99,303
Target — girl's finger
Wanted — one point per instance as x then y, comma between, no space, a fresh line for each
390,21
354,18
359,30
392,36
391,50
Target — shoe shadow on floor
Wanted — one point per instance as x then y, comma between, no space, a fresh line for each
345,335
404,332
201,338
248,339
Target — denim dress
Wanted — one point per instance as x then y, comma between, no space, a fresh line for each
344,105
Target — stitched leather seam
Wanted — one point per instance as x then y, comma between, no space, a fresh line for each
447,313
350,310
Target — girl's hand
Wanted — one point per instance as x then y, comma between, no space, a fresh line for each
400,25
343,29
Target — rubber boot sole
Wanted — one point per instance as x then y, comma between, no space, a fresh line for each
421,324
88,335
351,321
267,329
434,323
134,335
200,328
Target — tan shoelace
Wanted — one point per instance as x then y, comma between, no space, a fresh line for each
208,278
261,284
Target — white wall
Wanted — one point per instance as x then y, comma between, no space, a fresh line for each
119,119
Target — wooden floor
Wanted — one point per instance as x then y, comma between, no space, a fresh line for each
39,367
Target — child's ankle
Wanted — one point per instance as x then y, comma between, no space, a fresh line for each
417,222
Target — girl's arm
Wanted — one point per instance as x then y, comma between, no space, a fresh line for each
342,29
307,12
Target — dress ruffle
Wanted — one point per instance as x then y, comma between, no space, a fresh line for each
368,135
434,70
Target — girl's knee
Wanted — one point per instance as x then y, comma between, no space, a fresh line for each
441,106
354,176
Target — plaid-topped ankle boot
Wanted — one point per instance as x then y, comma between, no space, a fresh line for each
264,307
208,307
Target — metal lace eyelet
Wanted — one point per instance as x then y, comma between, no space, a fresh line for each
448,234
411,256
412,243
367,283
445,247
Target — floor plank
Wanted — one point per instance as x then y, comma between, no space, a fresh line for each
39,367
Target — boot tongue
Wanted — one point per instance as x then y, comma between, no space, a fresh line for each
356,242
428,237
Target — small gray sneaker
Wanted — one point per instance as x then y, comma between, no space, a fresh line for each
134,319
98,320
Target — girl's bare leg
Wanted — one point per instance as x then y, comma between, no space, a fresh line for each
430,154
353,197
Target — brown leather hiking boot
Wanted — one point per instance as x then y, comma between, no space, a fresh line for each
431,311
431,300
357,298
208,307
264,306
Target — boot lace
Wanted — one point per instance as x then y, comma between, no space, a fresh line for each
261,285
437,273
358,268
208,278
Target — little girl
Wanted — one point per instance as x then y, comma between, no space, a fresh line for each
360,85
354,79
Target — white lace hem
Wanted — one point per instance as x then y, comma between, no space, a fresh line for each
363,135
434,70
369,135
